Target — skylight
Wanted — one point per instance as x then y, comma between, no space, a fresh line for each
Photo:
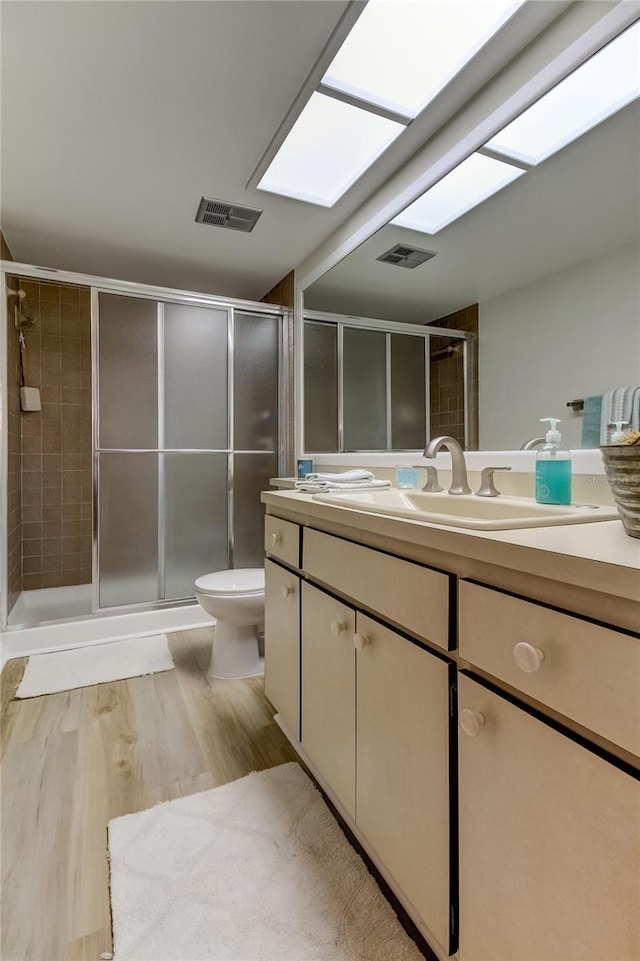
401,53
601,86
330,145
471,182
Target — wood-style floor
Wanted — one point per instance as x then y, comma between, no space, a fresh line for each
73,761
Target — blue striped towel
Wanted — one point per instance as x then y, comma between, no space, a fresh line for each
591,421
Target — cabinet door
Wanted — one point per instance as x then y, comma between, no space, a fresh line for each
402,793
329,691
282,644
549,841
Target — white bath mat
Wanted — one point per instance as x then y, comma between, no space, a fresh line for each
256,870
97,664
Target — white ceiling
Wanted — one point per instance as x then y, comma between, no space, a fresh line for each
577,205
118,116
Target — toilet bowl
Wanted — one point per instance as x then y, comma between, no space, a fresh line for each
236,600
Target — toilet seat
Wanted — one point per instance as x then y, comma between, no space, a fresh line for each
243,582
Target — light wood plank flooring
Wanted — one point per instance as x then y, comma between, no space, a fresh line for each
73,761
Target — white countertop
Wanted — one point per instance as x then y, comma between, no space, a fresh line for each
598,556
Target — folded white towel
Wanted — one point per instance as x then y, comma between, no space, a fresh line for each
346,477
319,487
621,404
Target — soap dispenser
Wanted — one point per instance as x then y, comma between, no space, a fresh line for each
553,468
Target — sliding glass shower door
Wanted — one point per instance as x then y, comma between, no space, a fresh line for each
187,436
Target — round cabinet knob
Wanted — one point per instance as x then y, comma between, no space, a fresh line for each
337,627
471,722
527,657
287,590
360,641
276,539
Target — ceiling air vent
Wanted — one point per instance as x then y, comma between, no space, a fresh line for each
403,256
219,213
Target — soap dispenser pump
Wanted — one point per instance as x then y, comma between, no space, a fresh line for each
553,467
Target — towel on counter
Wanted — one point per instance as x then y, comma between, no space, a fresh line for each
621,404
321,487
346,477
591,422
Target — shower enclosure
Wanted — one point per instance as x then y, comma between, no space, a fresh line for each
377,385
187,398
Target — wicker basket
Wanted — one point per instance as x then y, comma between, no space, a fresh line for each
622,466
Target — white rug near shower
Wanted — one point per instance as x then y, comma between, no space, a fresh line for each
257,869
96,664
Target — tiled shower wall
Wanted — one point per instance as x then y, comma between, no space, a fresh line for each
14,485
447,380
56,442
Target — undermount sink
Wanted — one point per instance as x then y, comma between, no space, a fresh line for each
478,513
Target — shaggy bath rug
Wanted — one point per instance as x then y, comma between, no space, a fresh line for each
255,870
97,664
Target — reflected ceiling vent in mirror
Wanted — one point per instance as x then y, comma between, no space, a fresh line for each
220,213
403,256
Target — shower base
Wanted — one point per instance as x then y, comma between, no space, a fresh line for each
51,604
60,618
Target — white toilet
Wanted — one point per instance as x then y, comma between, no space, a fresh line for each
236,600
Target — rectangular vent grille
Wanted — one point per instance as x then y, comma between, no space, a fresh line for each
403,256
219,213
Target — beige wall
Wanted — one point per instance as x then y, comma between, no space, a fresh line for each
56,442
569,335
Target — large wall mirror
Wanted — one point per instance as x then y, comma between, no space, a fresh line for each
549,265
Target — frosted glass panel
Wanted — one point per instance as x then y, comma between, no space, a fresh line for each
320,387
408,405
195,536
128,519
251,476
195,380
128,376
365,390
256,350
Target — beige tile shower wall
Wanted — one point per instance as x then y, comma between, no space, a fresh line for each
447,381
14,485
56,442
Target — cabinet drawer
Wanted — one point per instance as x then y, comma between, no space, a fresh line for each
407,594
589,673
282,539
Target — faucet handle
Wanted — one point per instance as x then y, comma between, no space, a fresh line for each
487,487
432,485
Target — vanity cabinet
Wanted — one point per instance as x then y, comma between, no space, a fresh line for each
402,750
375,726
328,692
549,840
481,744
282,644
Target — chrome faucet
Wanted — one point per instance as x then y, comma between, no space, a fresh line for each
534,442
459,483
